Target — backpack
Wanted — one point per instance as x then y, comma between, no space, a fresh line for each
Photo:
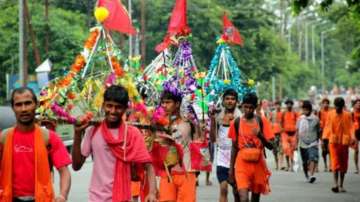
258,119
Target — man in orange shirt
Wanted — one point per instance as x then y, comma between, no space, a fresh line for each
355,145
276,126
288,137
250,134
339,126
323,115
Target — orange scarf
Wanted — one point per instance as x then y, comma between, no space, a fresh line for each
43,187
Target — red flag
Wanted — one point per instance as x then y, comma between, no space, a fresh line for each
118,17
231,34
178,21
163,45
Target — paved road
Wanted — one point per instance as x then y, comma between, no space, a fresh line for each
285,187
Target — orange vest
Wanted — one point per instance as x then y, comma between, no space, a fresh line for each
276,121
289,121
323,115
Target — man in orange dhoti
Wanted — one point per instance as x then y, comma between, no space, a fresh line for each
355,145
182,186
288,137
340,129
250,134
323,115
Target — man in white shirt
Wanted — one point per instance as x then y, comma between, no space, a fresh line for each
220,124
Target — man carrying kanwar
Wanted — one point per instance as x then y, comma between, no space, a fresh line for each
27,150
339,127
250,134
180,183
114,146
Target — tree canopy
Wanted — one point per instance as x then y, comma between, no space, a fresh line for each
266,52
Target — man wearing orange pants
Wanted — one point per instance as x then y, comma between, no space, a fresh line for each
340,128
250,134
181,185
288,137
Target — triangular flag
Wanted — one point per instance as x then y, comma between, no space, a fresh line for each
118,19
178,21
231,34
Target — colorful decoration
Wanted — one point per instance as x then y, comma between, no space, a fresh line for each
83,87
224,74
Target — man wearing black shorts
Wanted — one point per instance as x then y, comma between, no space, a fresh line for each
220,124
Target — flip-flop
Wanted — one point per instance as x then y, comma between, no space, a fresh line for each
209,183
342,190
335,189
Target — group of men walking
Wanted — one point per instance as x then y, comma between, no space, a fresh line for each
240,135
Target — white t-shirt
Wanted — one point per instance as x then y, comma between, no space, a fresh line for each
223,147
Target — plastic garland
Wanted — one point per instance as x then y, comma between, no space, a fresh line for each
224,74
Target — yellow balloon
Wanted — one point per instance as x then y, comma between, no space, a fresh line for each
227,81
251,82
101,13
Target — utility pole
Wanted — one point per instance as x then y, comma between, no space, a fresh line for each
323,35
21,44
32,34
130,37
143,30
47,28
306,43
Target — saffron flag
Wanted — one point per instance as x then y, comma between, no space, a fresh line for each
231,34
178,20
118,19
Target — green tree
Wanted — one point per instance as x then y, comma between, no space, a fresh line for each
67,32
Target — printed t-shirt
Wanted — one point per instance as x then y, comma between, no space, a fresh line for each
223,147
23,159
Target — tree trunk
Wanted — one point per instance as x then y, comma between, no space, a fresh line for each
143,30
32,34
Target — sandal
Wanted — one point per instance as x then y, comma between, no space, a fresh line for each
335,189
342,190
